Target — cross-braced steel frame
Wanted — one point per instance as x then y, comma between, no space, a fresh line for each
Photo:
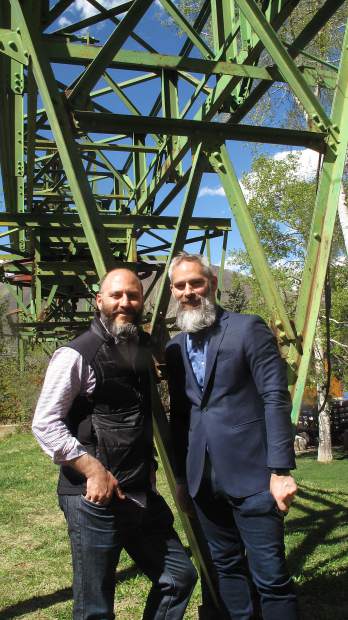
102,136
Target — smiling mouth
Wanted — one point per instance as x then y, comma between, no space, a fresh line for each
130,314
194,303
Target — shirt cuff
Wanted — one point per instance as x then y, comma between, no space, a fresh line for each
73,453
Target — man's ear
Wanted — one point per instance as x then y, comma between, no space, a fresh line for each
214,284
98,301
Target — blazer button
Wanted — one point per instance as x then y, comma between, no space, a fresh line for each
205,409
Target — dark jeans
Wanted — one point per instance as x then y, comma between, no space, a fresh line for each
97,536
252,528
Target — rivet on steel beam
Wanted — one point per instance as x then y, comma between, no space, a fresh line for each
317,236
13,46
278,323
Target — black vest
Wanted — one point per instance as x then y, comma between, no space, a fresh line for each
114,424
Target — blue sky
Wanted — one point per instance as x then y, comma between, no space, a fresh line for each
165,39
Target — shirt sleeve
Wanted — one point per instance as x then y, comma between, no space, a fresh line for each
67,376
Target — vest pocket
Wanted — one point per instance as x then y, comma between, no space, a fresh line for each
108,419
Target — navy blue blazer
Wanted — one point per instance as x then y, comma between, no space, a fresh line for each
242,415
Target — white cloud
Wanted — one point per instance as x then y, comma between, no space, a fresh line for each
64,21
85,9
211,191
219,191
307,162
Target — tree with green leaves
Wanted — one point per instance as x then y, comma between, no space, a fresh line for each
279,200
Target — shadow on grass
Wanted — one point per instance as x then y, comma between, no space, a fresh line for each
323,514
325,596
60,596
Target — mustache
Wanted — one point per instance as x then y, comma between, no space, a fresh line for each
109,317
126,312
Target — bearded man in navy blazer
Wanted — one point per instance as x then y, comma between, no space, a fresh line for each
233,441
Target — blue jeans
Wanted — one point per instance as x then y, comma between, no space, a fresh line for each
247,534
97,536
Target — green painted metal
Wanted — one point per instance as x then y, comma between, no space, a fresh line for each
79,54
185,216
321,232
221,163
198,549
12,47
100,133
90,77
286,66
99,122
66,145
222,267
186,27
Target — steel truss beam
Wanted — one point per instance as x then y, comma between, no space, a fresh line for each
97,141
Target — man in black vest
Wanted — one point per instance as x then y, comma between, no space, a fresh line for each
94,419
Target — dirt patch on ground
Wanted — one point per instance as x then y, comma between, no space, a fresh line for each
7,429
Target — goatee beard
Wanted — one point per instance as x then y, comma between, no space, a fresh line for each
195,319
122,332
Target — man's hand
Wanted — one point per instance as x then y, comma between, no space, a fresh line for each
283,489
101,484
184,500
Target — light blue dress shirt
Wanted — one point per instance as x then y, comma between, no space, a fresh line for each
196,347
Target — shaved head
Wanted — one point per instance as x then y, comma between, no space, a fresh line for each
118,270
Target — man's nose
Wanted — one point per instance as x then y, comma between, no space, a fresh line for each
188,289
124,301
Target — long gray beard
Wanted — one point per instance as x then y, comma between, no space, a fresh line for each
194,320
126,332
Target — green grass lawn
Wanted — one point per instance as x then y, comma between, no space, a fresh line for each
35,570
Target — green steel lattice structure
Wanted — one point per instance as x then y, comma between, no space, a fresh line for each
101,132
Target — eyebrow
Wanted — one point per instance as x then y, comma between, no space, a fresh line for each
189,280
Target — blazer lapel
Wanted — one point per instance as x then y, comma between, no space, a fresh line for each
214,344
